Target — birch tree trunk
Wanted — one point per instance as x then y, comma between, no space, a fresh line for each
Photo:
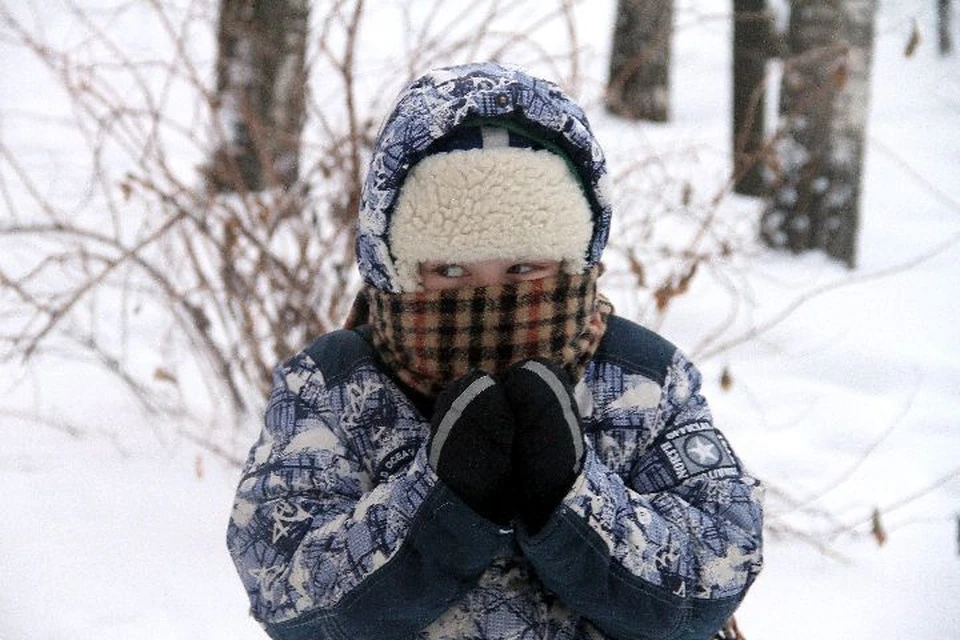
639,82
753,43
261,91
823,109
945,38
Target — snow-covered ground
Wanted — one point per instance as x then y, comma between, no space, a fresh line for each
112,528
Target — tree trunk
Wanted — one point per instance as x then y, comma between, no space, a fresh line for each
752,45
639,84
261,93
943,27
823,108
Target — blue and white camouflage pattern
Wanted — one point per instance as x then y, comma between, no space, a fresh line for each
341,529
442,100
649,543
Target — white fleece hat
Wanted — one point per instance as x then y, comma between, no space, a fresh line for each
493,195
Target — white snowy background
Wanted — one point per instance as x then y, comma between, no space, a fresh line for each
111,527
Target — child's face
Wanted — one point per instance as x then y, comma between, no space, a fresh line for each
450,275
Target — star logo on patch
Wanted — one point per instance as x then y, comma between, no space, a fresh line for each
703,451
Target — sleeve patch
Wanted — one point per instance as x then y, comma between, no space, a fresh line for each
697,449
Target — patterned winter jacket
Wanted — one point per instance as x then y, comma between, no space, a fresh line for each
341,529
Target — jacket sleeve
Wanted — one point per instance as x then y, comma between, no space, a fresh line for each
323,550
668,549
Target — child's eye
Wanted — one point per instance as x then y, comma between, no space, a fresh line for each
523,268
450,271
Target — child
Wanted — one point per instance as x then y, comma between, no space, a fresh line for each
487,451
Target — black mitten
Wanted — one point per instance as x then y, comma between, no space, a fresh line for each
548,446
470,445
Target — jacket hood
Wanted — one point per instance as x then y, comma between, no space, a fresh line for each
446,99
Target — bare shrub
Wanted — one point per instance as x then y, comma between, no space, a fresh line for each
190,297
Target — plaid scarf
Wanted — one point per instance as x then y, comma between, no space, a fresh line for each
430,338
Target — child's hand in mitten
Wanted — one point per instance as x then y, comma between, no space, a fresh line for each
471,442
548,445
